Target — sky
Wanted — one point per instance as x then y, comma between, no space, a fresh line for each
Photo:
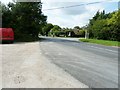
74,16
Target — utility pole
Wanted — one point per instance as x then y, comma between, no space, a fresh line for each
86,34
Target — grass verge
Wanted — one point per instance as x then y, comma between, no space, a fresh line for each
102,42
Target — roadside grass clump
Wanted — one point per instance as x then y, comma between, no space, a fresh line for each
102,42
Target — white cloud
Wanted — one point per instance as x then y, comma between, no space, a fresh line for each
77,16
6,1
73,10
70,17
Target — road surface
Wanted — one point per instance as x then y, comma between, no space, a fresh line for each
91,64
23,66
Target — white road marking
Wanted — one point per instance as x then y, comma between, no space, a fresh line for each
104,49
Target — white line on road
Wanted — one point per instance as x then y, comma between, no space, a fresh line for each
104,49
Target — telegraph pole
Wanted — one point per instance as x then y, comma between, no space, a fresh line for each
86,34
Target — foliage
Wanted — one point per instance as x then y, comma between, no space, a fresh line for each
46,29
6,16
105,26
55,31
66,32
25,18
82,33
77,27
56,28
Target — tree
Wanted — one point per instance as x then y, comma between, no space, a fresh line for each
97,28
30,17
114,25
97,15
55,31
46,29
77,27
0,15
26,18
82,33
105,26
6,16
56,28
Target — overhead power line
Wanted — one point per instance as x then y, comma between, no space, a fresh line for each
74,5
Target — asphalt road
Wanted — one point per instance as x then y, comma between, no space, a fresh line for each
91,64
23,66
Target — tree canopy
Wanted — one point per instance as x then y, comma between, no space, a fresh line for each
46,29
26,18
105,26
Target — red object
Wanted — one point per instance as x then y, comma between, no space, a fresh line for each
6,34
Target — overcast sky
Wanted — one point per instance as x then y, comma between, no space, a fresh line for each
74,16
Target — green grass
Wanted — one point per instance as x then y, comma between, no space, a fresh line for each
102,42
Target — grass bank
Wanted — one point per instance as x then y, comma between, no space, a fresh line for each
102,42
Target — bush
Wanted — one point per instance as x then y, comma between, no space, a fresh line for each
25,38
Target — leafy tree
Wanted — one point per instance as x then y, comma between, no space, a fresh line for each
82,33
97,27
77,27
30,17
26,18
114,25
0,14
105,26
56,28
96,16
46,29
6,16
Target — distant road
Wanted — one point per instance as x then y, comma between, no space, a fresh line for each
91,64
